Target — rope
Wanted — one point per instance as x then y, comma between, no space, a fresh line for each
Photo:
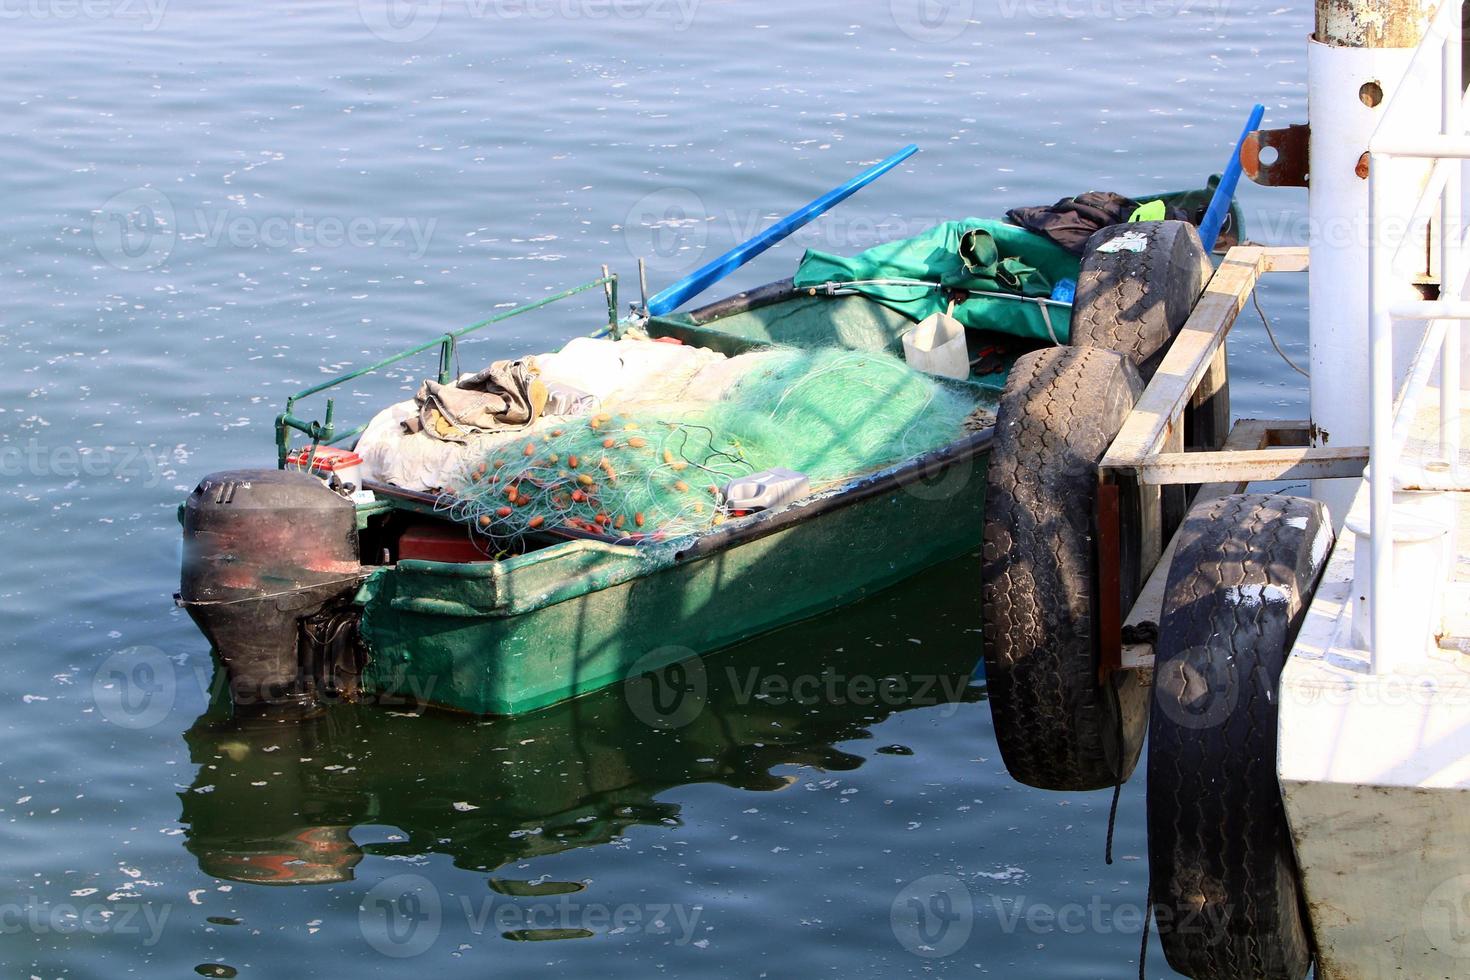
1046,315
845,288
1148,919
269,595
1117,794
1256,299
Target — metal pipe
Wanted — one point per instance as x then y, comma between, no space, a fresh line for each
1438,310
1380,427
1407,406
1451,270
1420,147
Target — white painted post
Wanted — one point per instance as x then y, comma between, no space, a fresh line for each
1380,439
1358,43
1452,270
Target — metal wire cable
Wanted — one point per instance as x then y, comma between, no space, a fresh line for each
1256,300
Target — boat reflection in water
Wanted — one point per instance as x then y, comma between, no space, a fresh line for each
275,801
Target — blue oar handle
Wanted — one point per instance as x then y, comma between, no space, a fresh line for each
1209,228
701,279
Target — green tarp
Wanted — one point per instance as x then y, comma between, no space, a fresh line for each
976,254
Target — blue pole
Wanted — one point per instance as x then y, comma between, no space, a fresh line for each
701,279
1209,228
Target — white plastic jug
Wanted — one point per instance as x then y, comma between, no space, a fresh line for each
937,346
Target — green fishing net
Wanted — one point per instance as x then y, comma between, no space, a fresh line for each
655,473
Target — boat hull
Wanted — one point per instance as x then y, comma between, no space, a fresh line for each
504,638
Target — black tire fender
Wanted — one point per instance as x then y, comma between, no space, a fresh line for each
1136,288
1057,726
1224,882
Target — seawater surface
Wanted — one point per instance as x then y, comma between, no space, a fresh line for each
325,182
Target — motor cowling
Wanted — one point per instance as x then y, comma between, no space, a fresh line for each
264,552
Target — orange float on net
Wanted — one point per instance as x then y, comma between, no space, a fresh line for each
585,480
681,486
502,512
609,443
530,449
573,462
536,522
484,521
637,442
578,496
638,518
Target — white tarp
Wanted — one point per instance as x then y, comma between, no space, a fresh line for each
621,375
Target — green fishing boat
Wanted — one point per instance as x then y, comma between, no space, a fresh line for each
311,585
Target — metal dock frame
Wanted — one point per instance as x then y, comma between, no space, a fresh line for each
1148,453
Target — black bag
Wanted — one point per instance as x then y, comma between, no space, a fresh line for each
1071,221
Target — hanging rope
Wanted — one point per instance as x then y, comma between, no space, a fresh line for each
1256,299
1118,786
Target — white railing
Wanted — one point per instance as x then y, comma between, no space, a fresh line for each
1392,418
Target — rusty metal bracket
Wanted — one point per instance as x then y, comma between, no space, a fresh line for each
1109,582
1292,166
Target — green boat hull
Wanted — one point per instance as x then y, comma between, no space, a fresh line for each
503,638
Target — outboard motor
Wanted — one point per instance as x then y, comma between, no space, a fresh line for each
266,552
